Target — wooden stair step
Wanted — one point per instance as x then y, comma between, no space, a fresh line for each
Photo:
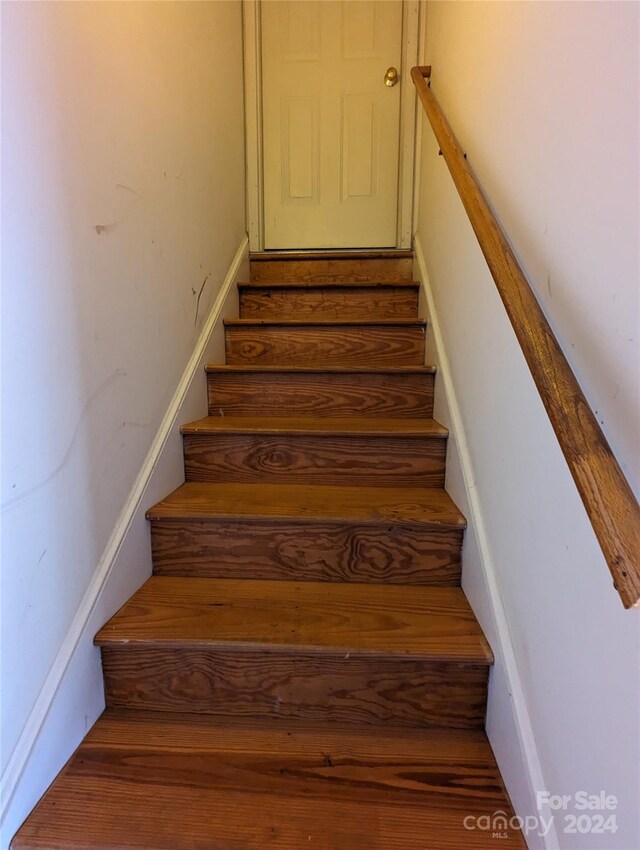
416,507
308,426
331,254
331,267
308,533
386,452
424,623
395,371
330,323
179,782
332,342
313,300
329,286
345,391
343,652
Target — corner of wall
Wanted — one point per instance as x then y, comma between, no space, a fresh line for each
508,724
72,697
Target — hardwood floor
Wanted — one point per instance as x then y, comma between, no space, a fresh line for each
169,781
303,668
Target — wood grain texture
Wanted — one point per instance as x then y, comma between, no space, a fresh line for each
434,623
413,507
314,551
322,286
251,391
332,324
400,343
248,785
332,254
356,653
312,427
329,301
608,499
307,686
320,458
335,270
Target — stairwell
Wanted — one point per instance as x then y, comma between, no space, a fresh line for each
302,669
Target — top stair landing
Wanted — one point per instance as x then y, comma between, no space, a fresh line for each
332,266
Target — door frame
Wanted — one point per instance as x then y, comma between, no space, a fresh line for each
251,29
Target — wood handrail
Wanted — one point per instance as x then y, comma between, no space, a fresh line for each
609,501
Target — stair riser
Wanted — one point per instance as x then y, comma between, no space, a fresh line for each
329,303
324,394
383,554
309,459
342,345
332,271
295,686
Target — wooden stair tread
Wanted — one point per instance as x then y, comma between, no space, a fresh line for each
409,506
343,426
359,323
346,254
178,782
332,266
315,284
423,623
338,370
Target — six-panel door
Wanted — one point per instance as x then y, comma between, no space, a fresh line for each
331,124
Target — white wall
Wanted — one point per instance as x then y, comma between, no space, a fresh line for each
544,98
122,210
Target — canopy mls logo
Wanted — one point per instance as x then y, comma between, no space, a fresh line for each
499,824
580,813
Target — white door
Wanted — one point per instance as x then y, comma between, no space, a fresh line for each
331,124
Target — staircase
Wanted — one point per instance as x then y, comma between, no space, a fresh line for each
303,669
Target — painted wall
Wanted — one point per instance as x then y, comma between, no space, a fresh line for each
122,210
544,98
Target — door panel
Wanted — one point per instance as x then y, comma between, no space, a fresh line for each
300,167
330,125
360,145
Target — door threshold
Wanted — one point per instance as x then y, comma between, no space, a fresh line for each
333,254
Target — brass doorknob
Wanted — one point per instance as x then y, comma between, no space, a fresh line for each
391,77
